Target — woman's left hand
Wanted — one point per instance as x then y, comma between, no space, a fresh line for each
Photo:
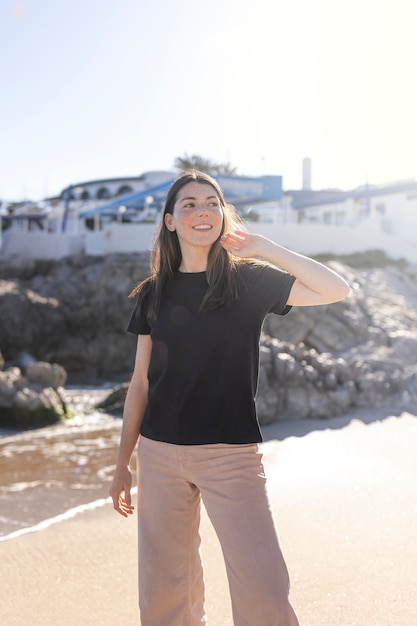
243,244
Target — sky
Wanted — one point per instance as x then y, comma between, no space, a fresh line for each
92,89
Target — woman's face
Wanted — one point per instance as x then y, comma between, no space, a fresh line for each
197,217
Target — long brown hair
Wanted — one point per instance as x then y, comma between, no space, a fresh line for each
166,254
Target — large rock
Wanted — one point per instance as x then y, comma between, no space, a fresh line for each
73,312
46,374
355,353
32,400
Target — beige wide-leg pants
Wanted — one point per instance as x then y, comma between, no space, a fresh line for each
231,481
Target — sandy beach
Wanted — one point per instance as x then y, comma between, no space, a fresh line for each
344,495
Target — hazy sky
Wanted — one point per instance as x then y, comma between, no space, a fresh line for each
99,88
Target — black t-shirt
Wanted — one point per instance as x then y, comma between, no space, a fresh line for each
203,370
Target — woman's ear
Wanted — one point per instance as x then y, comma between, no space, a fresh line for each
168,222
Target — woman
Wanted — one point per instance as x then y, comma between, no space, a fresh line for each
198,319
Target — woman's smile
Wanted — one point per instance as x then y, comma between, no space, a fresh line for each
202,227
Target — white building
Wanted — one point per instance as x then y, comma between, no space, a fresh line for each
395,204
108,188
106,216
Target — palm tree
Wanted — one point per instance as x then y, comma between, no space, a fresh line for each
202,164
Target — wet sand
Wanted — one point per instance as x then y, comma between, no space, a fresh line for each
345,499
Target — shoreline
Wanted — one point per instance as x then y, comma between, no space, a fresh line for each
62,517
76,489
345,503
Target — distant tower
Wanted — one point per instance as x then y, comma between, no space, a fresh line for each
307,173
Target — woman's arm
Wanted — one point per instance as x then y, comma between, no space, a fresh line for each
134,409
315,283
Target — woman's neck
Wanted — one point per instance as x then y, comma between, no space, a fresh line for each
193,262
188,268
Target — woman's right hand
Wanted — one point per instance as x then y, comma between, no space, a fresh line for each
120,491
135,406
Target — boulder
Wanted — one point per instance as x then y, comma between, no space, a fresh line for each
73,312
28,401
114,401
46,374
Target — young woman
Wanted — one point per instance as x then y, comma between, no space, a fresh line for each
191,399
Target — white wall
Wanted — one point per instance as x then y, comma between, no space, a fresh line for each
304,238
116,237
400,215
307,239
314,239
40,245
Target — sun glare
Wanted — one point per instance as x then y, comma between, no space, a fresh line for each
20,10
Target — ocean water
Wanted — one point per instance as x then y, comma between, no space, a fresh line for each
55,472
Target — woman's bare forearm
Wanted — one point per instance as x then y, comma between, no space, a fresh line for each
314,275
134,410
315,284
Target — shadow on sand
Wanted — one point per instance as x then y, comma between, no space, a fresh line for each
299,428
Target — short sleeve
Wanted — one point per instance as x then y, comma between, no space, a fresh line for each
273,288
138,323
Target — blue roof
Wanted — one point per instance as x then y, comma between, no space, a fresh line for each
129,200
237,189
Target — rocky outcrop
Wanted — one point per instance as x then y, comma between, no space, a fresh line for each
315,362
32,397
355,353
72,312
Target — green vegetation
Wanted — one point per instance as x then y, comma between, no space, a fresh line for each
197,162
21,417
